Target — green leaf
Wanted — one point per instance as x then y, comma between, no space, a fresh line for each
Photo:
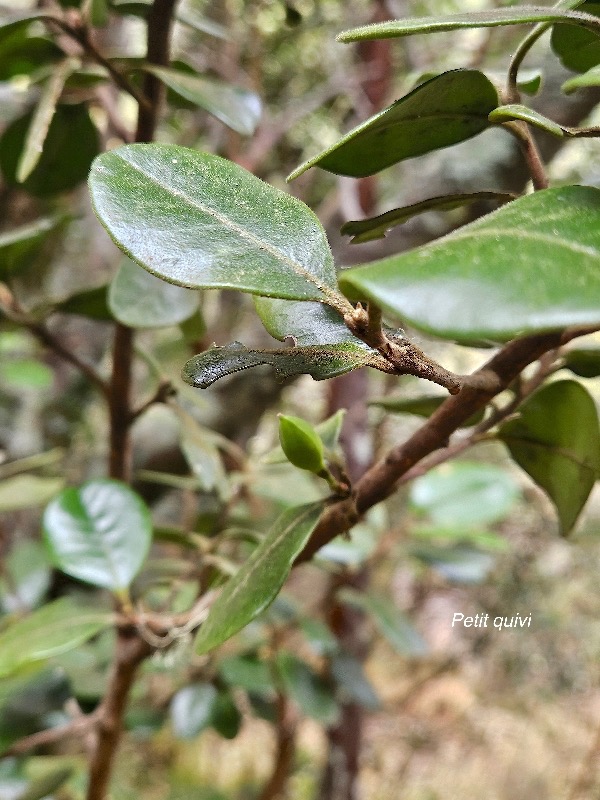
139,299
465,493
92,303
189,17
99,533
43,787
200,446
319,361
389,620
21,54
27,576
422,407
226,718
515,15
305,323
247,672
238,108
19,245
529,81
200,221
42,117
53,629
26,375
311,693
461,563
516,111
578,48
590,78
443,111
61,166
365,230
191,709
259,579
556,440
583,361
301,444
329,433
352,683
530,266
27,491
477,537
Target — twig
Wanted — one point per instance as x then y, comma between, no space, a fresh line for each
535,165
381,480
76,727
164,391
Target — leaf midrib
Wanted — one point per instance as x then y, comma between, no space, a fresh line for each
297,268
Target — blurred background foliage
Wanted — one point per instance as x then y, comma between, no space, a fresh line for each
451,712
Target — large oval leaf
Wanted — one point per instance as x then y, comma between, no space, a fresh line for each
258,581
99,533
532,265
49,631
442,111
578,48
517,15
141,300
200,221
556,440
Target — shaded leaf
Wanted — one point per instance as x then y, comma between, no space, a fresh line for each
460,564
238,108
26,577
365,230
583,361
22,54
443,533
530,266
188,16
61,166
99,533
311,693
352,683
191,709
200,221
392,623
319,636
42,117
443,111
464,493
19,245
556,440
319,361
305,323
247,672
55,628
92,303
578,48
46,785
515,15
28,491
422,407
259,579
141,300
226,718
200,446
516,111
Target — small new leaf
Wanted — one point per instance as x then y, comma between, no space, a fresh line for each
301,444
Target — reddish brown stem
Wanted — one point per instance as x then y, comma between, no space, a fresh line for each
286,748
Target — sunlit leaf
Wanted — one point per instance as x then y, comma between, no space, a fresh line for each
99,533
200,221
532,265
259,579
443,111
556,440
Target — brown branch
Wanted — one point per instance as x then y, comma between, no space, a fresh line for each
286,725
535,165
76,727
130,651
381,480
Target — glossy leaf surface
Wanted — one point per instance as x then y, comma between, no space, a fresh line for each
55,628
365,230
319,361
259,579
200,221
516,15
238,108
530,266
556,440
99,533
443,111
141,300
